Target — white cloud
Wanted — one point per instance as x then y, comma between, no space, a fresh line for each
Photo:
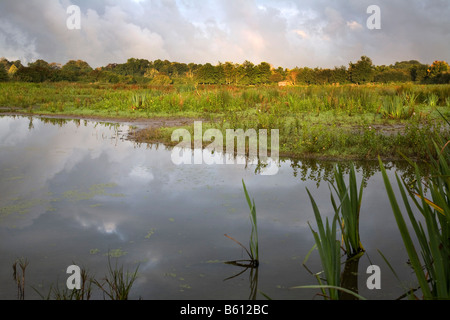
283,32
353,25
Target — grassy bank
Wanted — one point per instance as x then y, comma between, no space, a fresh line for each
351,122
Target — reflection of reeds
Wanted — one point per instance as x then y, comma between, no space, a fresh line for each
20,278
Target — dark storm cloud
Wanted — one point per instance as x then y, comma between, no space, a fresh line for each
285,33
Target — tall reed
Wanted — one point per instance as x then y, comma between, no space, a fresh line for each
19,270
253,253
433,270
349,209
329,248
117,284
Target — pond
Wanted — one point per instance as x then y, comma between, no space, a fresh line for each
79,192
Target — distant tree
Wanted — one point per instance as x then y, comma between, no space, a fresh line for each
40,63
437,67
392,75
33,74
74,70
339,75
151,73
438,73
293,76
322,76
161,80
419,72
246,73
362,71
209,74
3,74
406,65
12,70
5,63
306,76
276,77
79,67
229,72
262,73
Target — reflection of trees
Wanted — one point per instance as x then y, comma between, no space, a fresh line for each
323,171
61,122
317,170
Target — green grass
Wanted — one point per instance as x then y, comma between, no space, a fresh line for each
351,122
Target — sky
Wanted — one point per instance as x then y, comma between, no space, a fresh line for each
286,33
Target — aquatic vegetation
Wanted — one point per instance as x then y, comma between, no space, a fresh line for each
95,190
394,108
431,229
349,209
150,233
253,253
84,293
117,284
116,253
329,247
19,275
339,284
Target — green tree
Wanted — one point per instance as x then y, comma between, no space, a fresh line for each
209,74
246,73
229,72
419,72
78,66
305,76
339,75
362,71
40,63
74,70
392,75
33,74
3,74
437,67
262,73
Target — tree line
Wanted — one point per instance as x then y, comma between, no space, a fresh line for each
164,72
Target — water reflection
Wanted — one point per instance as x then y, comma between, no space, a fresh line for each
78,191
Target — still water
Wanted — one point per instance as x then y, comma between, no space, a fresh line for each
78,192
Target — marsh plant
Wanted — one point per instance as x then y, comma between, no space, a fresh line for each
19,270
329,247
431,229
337,284
348,209
116,285
253,251
84,293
